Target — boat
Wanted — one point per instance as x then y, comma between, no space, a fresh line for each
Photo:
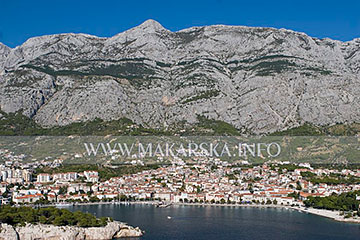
64,204
163,205
168,217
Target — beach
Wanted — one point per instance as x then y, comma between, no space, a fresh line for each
335,215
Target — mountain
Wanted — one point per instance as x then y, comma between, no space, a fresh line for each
4,52
259,80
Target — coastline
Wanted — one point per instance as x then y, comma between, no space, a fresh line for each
334,215
118,229
112,230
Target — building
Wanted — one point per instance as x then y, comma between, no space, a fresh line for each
91,176
69,176
43,178
30,198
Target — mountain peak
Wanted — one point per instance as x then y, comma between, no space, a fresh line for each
151,25
4,50
3,45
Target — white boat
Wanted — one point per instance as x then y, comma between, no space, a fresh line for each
168,217
64,204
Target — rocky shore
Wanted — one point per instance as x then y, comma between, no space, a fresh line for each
112,230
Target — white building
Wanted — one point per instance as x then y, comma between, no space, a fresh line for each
43,178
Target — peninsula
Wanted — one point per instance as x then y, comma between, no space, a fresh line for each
25,223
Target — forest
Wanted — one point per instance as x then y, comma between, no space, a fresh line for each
50,215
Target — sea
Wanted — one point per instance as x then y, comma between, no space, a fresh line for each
224,222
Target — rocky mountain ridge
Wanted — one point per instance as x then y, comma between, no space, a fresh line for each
259,80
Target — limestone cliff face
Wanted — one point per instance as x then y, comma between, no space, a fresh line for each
48,232
261,79
7,232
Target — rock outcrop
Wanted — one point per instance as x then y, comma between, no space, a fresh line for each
49,232
7,232
261,79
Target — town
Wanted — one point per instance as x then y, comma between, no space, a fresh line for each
275,183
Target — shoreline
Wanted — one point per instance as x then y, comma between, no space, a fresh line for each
113,230
334,215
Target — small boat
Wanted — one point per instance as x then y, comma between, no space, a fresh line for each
168,217
163,205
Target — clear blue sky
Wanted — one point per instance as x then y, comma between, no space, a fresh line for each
21,19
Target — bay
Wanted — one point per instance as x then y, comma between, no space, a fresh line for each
221,222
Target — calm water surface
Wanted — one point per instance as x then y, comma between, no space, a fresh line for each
205,222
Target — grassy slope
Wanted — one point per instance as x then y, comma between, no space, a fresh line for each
17,125
312,130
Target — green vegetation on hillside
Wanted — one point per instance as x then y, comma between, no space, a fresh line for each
131,69
18,124
350,129
203,95
50,215
287,167
333,179
304,130
350,166
218,127
343,202
15,124
308,129
268,68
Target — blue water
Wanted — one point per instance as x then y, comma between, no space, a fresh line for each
205,222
